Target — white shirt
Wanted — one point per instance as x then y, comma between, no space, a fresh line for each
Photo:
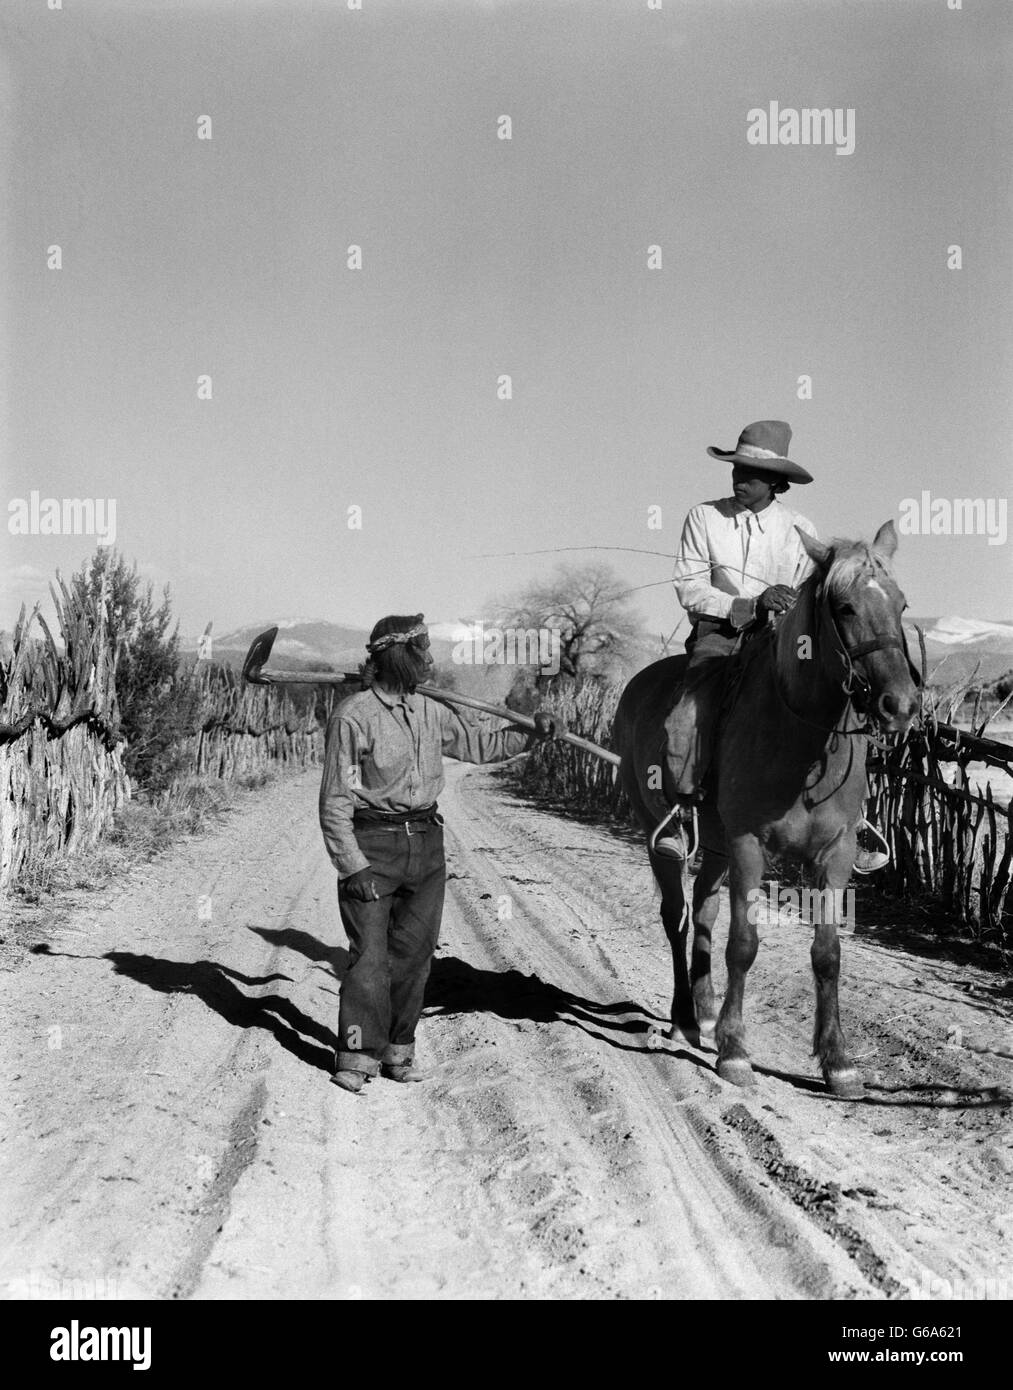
728,555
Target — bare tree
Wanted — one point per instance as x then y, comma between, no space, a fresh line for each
588,606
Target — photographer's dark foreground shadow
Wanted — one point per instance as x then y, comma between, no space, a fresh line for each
213,985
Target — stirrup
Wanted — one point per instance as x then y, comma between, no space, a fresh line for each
691,844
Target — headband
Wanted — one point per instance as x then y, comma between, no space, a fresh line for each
391,638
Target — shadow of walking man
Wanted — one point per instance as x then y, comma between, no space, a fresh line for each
213,985
333,959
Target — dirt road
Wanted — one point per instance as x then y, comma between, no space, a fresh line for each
168,1129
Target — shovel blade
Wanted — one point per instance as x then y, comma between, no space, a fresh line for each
258,656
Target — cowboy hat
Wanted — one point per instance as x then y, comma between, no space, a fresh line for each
764,445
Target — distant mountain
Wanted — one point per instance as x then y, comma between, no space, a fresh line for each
949,632
304,643
955,646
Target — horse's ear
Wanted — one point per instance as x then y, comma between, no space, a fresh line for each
885,543
816,550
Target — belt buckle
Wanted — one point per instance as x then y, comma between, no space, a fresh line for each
408,828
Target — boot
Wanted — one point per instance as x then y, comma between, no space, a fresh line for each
402,1071
350,1080
867,861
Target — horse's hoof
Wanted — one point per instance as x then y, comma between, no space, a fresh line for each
687,1033
737,1071
846,1084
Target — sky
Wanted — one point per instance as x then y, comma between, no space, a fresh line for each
379,388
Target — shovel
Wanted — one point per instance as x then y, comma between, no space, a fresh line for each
260,652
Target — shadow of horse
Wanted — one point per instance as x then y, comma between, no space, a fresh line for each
456,987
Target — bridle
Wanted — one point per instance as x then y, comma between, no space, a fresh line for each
880,642
856,685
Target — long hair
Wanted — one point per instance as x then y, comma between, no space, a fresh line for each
402,665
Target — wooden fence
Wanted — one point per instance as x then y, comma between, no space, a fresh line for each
61,770
243,729
947,840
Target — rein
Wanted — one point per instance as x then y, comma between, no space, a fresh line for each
852,675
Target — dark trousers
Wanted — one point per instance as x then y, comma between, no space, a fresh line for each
689,728
391,944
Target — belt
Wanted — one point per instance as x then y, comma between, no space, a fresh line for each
413,822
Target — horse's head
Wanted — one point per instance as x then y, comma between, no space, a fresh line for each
861,605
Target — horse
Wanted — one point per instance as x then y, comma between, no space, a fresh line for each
787,778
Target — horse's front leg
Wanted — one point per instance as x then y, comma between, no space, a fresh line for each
706,900
746,865
675,919
829,912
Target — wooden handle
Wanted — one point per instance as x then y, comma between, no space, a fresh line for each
449,697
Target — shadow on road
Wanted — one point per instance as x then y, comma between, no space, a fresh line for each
213,985
455,987
333,959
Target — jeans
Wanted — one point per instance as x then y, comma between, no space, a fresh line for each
689,729
391,944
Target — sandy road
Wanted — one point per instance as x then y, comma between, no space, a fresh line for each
168,1129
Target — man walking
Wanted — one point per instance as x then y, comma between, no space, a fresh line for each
382,774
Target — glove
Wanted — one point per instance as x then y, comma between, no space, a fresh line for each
548,725
779,598
360,886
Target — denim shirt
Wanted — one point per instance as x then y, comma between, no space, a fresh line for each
385,752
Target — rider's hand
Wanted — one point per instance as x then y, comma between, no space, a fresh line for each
360,886
779,598
548,725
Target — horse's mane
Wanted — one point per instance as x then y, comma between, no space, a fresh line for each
851,559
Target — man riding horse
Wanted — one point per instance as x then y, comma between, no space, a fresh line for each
740,558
